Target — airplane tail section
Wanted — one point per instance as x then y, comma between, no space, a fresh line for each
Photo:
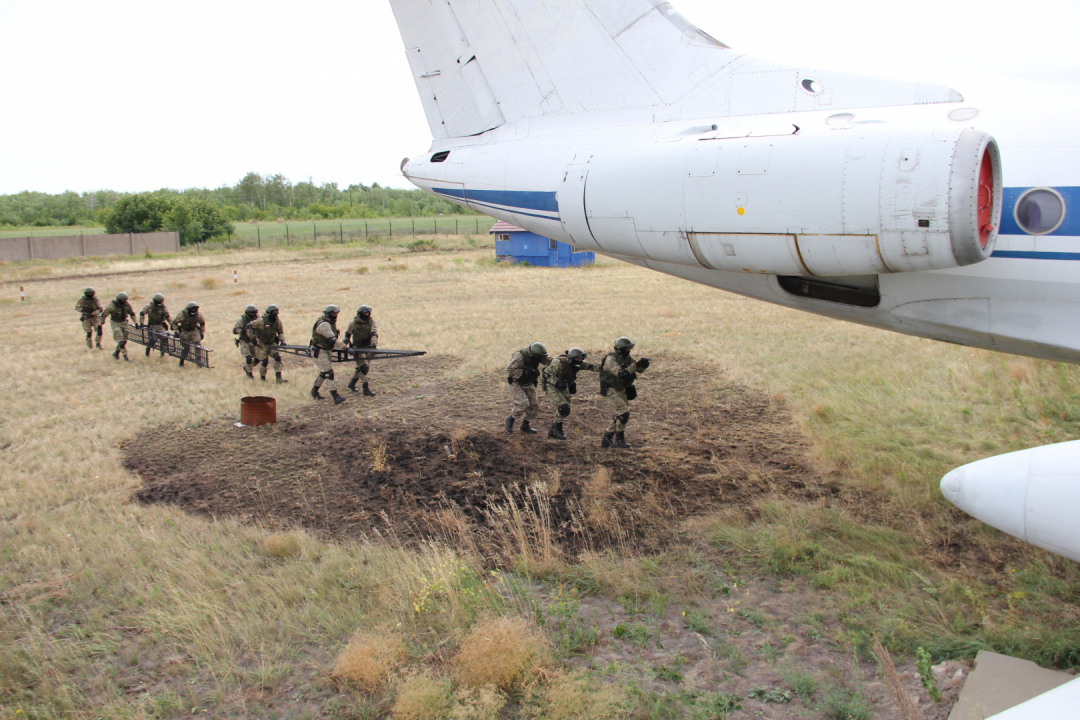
479,64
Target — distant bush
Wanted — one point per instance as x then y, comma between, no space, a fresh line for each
422,246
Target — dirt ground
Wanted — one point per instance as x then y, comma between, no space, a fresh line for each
430,453
697,446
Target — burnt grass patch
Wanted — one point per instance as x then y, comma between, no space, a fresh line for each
428,458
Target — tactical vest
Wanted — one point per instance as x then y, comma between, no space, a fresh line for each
119,313
243,323
265,332
611,380
88,305
157,314
564,370
318,340
528,360
189,323
360,332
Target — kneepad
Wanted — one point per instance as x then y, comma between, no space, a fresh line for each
277,357
329,374
625,417
564,410
364,368
250,360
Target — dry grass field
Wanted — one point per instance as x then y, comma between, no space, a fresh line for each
401,556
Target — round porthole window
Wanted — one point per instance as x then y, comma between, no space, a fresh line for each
1040,211
812,86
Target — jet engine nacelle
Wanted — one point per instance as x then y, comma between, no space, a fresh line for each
852,201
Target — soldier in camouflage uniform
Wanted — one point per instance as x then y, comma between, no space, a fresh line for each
361,333
119,310
190,326
324,339
560,382
244,341
522,374
266,332
155,316
89,309
617,374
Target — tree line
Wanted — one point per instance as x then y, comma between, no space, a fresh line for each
253,197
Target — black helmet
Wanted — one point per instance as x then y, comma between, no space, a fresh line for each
89,292
158,298
251,310
363,310
624,344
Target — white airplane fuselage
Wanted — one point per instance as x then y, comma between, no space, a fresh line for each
818,211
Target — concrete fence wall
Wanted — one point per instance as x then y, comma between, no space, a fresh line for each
61,246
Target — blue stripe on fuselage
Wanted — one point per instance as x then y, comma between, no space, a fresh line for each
511,200
1034,255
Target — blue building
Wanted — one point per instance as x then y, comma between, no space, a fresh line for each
520,245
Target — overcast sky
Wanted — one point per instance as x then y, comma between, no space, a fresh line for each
140,94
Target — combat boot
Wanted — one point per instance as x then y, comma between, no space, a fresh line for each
620,441
315,393
89,341
262,377
337,398
525,429
279,380
556,432
367,391
181,362
509,423
352,385
606,442
116,354
147,352
251,375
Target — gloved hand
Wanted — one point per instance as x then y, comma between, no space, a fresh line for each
176,334
624,375
643,364
236,331
562,384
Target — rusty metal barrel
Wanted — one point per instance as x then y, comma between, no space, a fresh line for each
258,410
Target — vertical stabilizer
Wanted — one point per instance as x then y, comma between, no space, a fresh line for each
479,64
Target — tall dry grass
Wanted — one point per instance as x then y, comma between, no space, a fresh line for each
88,578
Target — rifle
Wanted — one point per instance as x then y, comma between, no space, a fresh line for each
346,354
171,345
